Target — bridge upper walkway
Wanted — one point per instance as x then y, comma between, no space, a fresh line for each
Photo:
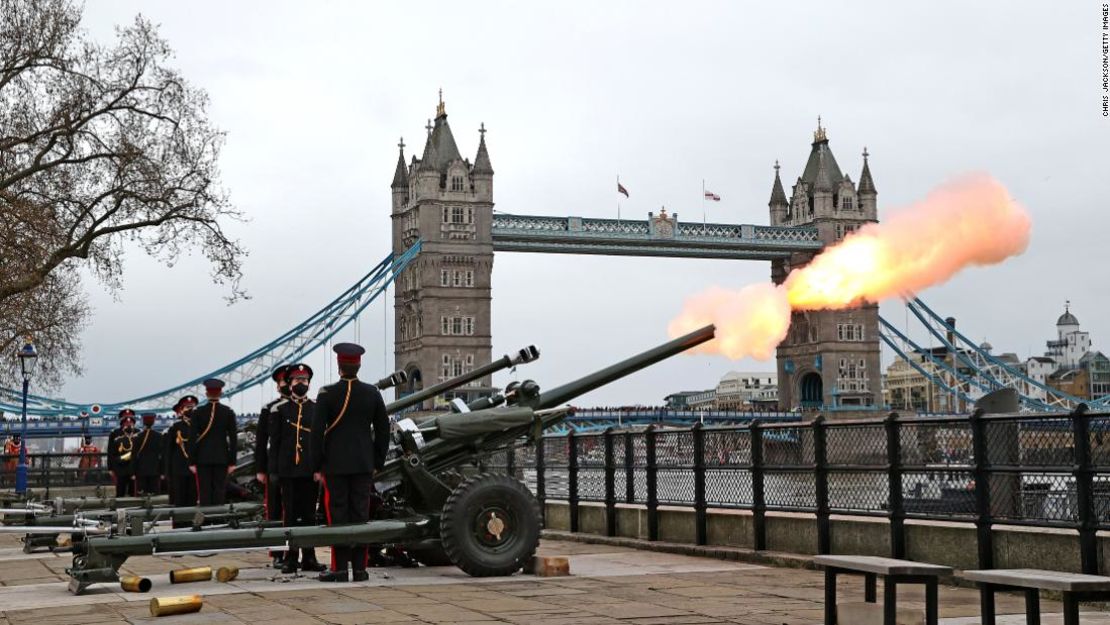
656,236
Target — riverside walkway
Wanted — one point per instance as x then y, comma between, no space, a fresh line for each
609,586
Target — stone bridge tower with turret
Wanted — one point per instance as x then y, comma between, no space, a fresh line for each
442,300
829,358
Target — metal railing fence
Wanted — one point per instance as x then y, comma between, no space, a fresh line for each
1032,470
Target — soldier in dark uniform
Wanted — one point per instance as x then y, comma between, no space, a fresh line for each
121,452
292,451
212,445
175,455
262,457
351,438
148,459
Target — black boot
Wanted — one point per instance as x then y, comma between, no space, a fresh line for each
402,558
377,558
278,559
360,575
333,576
290,564
309,562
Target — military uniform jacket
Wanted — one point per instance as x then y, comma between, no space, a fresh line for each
352,429
175,449
212,435
262,434
292,452
120,443
147,456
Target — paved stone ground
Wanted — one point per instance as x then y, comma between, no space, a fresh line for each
609,586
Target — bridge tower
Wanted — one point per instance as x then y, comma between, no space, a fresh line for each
829,358
442,300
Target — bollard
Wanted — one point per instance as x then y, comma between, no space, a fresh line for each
198,574
134,583
168,606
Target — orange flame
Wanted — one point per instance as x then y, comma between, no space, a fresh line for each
970,222
750,322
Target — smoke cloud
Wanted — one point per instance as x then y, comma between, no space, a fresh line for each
972,221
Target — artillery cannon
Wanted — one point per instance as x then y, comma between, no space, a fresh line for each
486,525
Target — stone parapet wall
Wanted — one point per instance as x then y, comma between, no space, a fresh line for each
938,542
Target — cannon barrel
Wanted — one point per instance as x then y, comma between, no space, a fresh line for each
184,513
455,438
528,354
394,379
64,505
562,394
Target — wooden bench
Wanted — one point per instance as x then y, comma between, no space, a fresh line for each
1075,587
893,571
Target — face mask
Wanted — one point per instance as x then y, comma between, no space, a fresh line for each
300,390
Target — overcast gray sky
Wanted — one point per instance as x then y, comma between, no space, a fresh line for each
314,95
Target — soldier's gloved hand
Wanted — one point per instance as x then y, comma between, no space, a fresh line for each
318,476
261,477
193,469
230,469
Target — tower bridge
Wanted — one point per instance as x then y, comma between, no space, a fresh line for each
442,300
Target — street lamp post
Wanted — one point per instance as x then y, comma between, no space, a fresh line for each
27,359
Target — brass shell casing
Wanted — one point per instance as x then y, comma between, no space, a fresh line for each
227,573
167,606
134,583
198,574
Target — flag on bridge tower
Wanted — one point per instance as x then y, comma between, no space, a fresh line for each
621,189
709,195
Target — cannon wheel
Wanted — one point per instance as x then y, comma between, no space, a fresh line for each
490,525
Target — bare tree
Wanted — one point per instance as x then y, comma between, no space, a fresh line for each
103,148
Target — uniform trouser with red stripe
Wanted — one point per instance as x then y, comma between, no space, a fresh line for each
348,501
183,489
125,484
274,511
299,495
148,484
211,484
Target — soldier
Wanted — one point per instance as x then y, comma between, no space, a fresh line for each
292,458
90,458
121,448
351,438
212,445
148,459
175,455
262,459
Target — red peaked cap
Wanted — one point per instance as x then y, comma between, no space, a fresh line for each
299,369
349,353
127,413
214,386
148,419
188,399
280,373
